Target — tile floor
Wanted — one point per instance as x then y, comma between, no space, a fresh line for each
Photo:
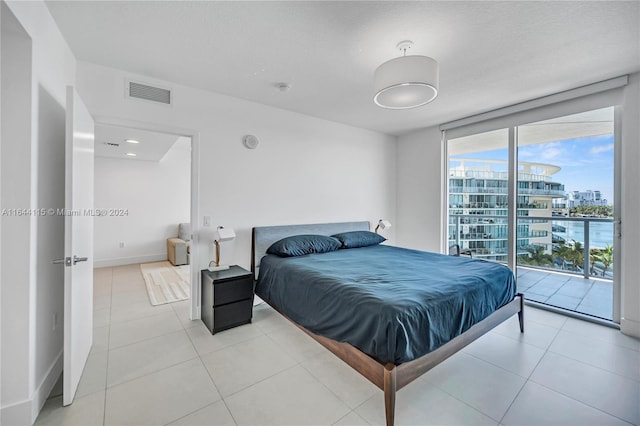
152,366
588,296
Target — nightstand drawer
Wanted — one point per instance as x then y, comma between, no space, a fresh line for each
232,314
227,298
232,291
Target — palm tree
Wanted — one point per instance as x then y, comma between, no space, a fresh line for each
605,256
538,256
576,255
563,252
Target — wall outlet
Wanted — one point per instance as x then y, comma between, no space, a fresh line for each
206,221
121,244
54,322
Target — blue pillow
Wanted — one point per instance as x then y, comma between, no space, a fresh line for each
356,239
299,245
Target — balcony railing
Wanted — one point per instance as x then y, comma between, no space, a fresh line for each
468,236
567,253
481,205
493,175
503,191
534,191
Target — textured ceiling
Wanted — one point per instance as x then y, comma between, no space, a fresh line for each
491,54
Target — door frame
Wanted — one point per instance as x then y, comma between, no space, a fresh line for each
617,213
194,272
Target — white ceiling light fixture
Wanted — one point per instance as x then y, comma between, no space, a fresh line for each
131,154
406,82
132,141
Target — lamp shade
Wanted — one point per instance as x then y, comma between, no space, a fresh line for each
224,234
406,82
384,224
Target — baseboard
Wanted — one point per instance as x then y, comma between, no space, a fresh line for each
630,327
104,263
17,414
26,412
46,385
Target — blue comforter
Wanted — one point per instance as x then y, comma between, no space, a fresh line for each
393,304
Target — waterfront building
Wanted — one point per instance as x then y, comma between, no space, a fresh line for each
478,201
585,198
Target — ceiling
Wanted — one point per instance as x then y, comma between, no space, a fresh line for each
110,141
491,54
582,125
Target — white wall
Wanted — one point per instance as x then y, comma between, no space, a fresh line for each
33,359
157,198
305,169
419,207
15,126
419,212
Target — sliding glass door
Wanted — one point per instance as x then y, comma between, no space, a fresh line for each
566,205
541,198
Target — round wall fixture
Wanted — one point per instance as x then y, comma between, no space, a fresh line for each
250,141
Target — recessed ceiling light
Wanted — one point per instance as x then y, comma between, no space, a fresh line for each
131,154
131,141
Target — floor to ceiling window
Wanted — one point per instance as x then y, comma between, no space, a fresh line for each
565,185
478,199
540,196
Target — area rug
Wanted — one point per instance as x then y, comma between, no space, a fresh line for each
166,283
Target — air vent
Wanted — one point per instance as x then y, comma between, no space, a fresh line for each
111,144
149,93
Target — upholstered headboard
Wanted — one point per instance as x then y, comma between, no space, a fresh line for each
263,236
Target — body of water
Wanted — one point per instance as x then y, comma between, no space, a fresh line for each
600,233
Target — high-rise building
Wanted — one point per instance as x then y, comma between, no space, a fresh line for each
478,201
585,198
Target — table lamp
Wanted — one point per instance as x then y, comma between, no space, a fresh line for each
221,234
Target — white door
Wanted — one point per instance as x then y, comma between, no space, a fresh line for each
78,243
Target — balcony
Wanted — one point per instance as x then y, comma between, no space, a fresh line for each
503,191
552,267
588,296
471,236
535,191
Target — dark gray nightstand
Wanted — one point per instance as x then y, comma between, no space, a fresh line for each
227,298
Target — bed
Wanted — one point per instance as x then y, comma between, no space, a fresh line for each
390,313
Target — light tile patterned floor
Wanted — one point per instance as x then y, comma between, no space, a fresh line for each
589,296
152,366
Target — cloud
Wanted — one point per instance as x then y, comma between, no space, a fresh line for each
552,153
601,148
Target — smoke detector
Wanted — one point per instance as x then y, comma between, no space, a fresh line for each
283,87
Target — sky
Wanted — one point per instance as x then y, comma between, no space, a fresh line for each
586,163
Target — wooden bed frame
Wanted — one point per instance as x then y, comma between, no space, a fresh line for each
388,377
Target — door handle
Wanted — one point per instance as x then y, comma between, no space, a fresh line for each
66,261
77,259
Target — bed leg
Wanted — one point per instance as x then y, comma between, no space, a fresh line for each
521,313
390,392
